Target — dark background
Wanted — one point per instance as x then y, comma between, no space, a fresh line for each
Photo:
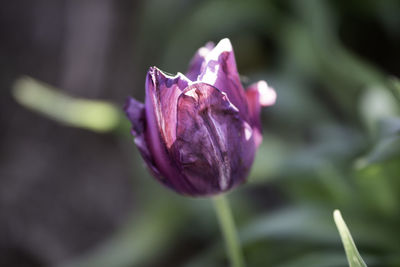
75,197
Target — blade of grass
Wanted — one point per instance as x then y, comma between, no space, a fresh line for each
353,256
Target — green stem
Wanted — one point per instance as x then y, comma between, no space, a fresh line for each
227,224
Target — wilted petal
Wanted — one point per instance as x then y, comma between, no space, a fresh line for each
197,63
220,71
214,147
259,94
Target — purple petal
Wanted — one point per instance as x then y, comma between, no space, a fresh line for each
214,146
161,98
197,63
259,94
136,114
134,110
220,71
162,92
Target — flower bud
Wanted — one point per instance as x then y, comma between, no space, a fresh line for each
198,133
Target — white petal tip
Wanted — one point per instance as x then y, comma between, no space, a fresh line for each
224,45
267,94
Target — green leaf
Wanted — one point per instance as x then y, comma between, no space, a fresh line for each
353,257
94,115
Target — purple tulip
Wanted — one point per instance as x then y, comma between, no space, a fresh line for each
198,133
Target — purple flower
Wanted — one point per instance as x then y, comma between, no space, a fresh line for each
199,132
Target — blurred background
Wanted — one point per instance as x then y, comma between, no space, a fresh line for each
74,190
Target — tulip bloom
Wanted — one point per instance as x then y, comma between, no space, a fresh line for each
198,133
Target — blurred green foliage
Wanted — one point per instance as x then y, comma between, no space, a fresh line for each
99,116
331,141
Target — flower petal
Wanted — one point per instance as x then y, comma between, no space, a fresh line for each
214,146
162,92
161,97
197,63
220,71
136,114
259,94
